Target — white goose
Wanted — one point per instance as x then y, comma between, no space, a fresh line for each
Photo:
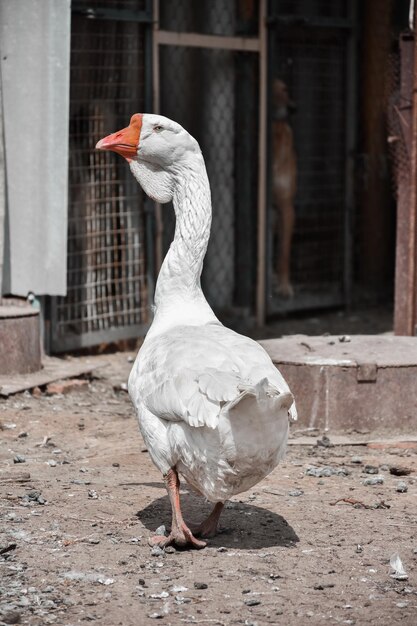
210,403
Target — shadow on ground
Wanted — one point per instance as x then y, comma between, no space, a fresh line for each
242,526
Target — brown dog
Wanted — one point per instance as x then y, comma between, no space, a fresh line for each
284,180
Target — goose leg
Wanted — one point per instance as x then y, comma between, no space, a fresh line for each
208,528
180,534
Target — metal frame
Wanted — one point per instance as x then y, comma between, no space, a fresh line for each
240,44
49,309
347,28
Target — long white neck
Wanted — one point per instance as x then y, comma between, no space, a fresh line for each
178,296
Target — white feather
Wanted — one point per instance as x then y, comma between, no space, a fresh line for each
209,401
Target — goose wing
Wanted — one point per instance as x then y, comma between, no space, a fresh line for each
191,373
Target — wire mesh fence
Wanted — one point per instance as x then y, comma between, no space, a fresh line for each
199,90
311,58
107,286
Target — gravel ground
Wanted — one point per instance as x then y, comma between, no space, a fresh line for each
73,534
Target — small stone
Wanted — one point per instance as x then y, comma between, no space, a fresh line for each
182,600
370,469
36,392
359,549
157,551
66,386
296,492
22,435
52,463
401,487
92,494
222,549
94,540
161,531
170,550
200,585
252,602
155,615
142,582
11,617
19,458
384,468
159,596
178,589
357,460
344,339
115,464
376,480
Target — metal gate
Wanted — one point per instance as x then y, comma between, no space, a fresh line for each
210,76
312,50
108,286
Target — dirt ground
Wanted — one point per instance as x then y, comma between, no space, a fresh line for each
73,535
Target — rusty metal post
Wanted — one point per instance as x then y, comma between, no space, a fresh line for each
405,313
159,226
262,167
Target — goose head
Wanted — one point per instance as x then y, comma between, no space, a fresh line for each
157,150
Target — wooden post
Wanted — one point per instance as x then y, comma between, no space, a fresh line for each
159,226
262,158
405,313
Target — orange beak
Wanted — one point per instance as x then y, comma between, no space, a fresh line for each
125,141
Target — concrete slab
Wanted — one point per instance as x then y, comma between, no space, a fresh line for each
20,348
363,382
53,369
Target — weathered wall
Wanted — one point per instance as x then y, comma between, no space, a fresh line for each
35,47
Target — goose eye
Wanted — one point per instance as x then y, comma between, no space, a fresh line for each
158,128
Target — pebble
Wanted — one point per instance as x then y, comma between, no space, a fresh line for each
170,550
19,458
296,492
376,480
34,496
320,472
344,339
200,585
159,596
115,464
182,600
94,540
357,460
157,551
155,615
178,589
51,463
22,434
401,487
11,617
161,531
222,549
252,602
92,494
370,469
